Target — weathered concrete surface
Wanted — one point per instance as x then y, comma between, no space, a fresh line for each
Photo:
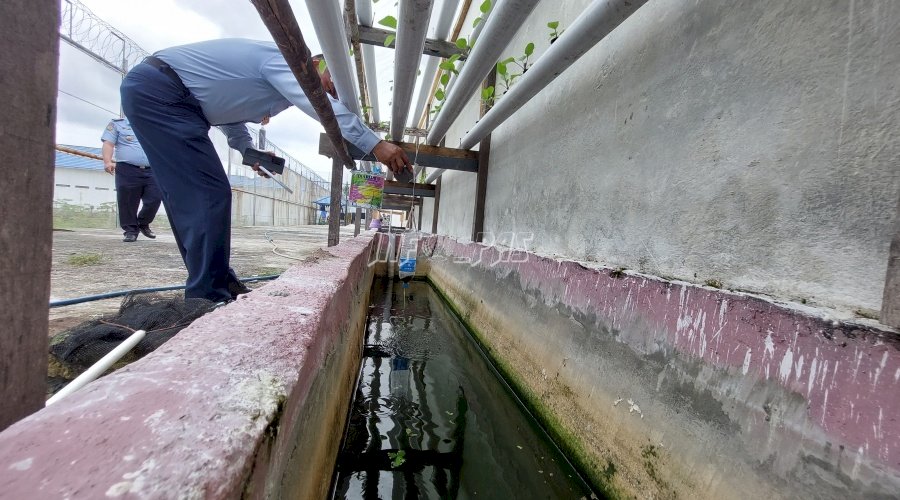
248,401
755,143
736,396
890,304
28,68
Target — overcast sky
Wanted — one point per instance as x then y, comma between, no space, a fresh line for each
164,23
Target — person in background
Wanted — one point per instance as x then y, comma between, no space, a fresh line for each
134,180
174,96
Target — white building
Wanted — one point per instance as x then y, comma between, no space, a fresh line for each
81,180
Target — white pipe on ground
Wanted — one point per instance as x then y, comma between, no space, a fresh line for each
364,14
506,20
99,367
597,21
412,27
328,23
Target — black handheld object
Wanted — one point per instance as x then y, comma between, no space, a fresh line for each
271,163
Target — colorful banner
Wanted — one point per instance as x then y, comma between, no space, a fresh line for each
366,190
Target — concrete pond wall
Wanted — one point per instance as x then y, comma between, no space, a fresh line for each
751,143
665,389
654,388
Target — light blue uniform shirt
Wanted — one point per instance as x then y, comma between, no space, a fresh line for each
128,149
238,81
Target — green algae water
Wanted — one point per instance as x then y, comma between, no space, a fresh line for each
431,418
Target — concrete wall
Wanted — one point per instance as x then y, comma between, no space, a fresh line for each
664,389
753,143
84,187
247,402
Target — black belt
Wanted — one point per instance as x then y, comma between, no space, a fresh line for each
164,68
133,165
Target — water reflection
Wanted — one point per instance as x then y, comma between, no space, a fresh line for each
430,420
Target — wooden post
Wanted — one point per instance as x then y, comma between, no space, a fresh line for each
29,36
890,302
437,206
484,155
334,212
356,222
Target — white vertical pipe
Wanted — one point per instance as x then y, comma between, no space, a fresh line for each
412,26
329,26
597,21
99,367
506,20
364,14
441,32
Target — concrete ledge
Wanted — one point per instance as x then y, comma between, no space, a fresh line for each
731,396
249,401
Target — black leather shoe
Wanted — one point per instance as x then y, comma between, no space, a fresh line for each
236,288
130,238
146,231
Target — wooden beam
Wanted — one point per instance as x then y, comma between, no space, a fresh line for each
890,301
409,189
415,132
437,206
429,156
437,48
484,155
334,208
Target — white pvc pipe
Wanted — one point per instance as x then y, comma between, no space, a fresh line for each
329,26
506,20
364,14
412,27
597,21
99,367
441,32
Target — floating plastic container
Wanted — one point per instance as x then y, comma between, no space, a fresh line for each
366,189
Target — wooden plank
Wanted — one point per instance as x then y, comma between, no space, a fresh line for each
437,206
890,301
429,156
437,48
334,208
484,155
413,132
409,189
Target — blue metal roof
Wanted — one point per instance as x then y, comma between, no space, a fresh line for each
69,160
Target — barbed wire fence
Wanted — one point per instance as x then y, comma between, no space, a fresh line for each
255,200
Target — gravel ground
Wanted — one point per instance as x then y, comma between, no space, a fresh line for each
93,261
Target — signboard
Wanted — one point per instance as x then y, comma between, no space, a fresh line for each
366,190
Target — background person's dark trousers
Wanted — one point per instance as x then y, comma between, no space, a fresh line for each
173,131
133,186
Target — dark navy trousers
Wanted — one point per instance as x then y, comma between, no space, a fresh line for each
133,186
174,133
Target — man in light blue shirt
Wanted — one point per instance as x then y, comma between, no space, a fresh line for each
134,179
172,99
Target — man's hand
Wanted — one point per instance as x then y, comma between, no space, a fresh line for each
328,84
110,167
256,169
392,156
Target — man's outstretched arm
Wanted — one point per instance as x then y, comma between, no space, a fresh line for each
353,129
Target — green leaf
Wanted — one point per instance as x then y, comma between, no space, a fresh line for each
453,58
439,95
529,49
462,44
485,6
508,60
391,22
553,25
487,92
389,40
322,67
476,21
501,68
445,79
447,65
